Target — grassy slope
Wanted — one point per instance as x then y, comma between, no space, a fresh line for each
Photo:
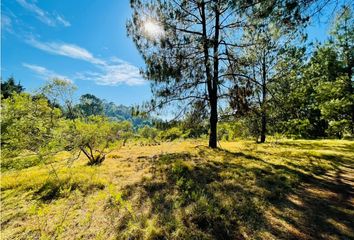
183,190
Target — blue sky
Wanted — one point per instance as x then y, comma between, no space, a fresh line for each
84,41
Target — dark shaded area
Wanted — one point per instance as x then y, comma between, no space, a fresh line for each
19,163
58,188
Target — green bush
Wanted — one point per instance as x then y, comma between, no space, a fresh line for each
171,134
29,124
148,132
19,163
95,136
229,131
298,128
338,128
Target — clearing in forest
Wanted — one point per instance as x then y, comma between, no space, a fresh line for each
291,189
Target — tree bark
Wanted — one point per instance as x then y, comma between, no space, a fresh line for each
264,99
212,79
214,94
213,124
264,127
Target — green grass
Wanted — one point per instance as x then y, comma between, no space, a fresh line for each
289,189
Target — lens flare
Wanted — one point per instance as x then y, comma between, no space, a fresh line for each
153,30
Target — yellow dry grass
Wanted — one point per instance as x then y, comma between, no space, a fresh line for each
183,190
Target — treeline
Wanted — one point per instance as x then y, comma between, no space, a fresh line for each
87,105
314,100
248,65
49,122
35,127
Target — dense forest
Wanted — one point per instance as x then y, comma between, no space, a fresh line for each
259,145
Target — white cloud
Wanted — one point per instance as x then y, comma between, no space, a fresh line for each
44,73
114,74
111,72
64,49
63,21
6,23
44,16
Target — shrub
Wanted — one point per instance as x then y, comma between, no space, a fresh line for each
29,124
298,127
95,137
148,132
229,131
338,128
171,134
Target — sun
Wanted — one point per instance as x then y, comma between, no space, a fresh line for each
153,30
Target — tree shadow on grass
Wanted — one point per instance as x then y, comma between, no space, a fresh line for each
197,197
55,188
325,198
323,210
191,201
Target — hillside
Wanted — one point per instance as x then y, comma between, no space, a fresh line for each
122,113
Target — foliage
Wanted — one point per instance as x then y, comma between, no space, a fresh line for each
320,97
29,124
230,131
60,92
32,124
95,136
316,99
124,130
148,132
92,134
9,87
90,105
194,124
171,134
265,62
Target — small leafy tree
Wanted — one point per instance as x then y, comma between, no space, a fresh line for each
60,92
29,124
90,105
148,132
124,131
171,134
194,123
95,137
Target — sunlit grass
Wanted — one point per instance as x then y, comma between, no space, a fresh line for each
183,190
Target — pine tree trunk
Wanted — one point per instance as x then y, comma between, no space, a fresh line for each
213,124
214,93
264,127
212,79
264,99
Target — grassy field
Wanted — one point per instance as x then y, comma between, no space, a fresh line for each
291,189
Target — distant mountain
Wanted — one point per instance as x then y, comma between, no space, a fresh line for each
121,113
